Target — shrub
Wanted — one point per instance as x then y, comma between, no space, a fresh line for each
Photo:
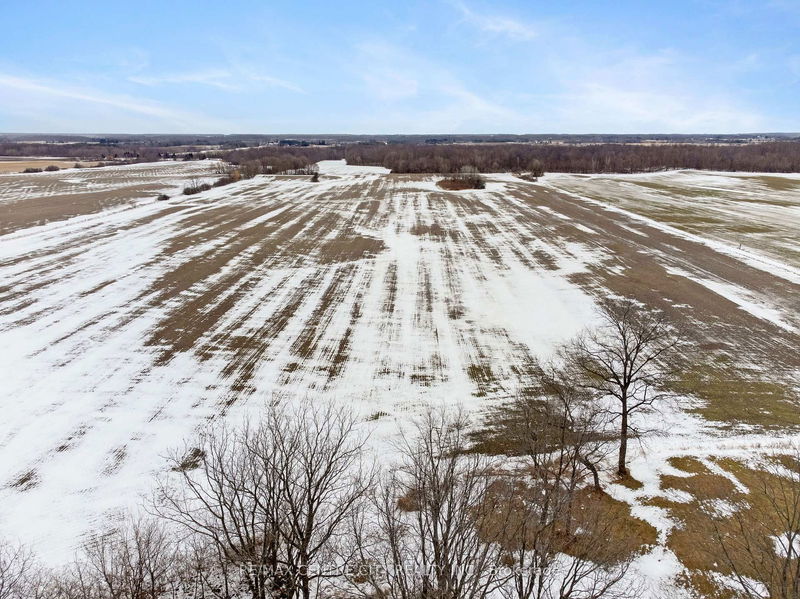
191,190
454,184
32,170
467,178
315,178
223,181
536,168
162,196
534,171
52,168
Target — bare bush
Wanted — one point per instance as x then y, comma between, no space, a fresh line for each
535,168
435,528
467,177
760,545
552,523
195,187
560,428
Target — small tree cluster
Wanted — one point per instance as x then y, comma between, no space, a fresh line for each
288,507
270,500
467,177
275,160
761,548
452,523
195,187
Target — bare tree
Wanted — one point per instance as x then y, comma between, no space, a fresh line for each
558,425
224,496
761,543
16,563
626,359
559,543
273,498
555,529
205,574
322,481
136,560
434,533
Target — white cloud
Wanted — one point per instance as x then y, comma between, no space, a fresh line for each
20,92
390,85
411,93
254,75
496,24
234,78
419,95
660,92
215,78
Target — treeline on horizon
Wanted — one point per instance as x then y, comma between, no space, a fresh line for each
242,140
92,151
280,159
445,158
782,156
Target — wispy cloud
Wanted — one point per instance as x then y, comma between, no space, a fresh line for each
498,66
498,24
215,78
257,76
793,63
234,78
420,95
388,72
390,84
626,92
28,89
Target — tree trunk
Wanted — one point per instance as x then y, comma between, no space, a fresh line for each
595,476
305,584
622,469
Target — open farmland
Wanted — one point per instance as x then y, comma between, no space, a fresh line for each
17,166
126,322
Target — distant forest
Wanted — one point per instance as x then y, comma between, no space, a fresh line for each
91,151
779,156
413,154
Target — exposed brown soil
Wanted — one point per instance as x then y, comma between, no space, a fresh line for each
34,199
273,285
17,166
454,184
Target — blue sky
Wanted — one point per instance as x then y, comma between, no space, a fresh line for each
438,66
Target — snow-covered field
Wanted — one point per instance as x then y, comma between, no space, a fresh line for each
746,211
125,322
